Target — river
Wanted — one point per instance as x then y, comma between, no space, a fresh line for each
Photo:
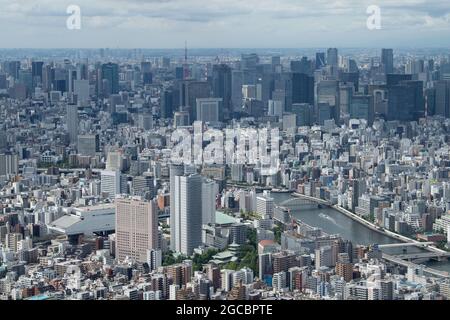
333,222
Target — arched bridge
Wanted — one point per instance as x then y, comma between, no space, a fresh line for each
299,204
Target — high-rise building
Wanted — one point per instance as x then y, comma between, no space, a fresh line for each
320,60
304,113
175,171
208,109
81,89
302,88
72,122
362,107
111,183
88,144
9,164
221,87
332,57
110,77
387,60
264,205
136,229
169,102
406,101
36,71
188,214
190,91
442,98
209,192
328,92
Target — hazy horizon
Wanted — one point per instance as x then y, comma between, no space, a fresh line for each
165,24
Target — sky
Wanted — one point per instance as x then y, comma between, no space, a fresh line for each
224,24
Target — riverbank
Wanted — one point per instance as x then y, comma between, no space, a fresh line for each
368,224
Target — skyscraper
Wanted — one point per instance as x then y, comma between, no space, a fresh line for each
361,107
387,60
328,92
320,60
136,228
406,101
175,171
221,85
442,98
302,88
188,213
36,70
110,77
332,57
208,109
72,122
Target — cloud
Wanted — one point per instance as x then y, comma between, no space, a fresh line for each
233,21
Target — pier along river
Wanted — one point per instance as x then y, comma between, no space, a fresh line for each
334,222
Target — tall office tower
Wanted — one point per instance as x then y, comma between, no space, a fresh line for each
415,66
430,101
136,228
72,122
81,89
351,77
249,61
208,109
362,107
320,60
190,91
26,78
387,60
36,70
188,213
221,87
111,183
13,69
304,113
328,92
169,102
175,171
406,101
302,66
394,79
237,80
332,57
146,71
110,78
442,98
88,144
209,191
9,164
71,77
302,88
283,90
